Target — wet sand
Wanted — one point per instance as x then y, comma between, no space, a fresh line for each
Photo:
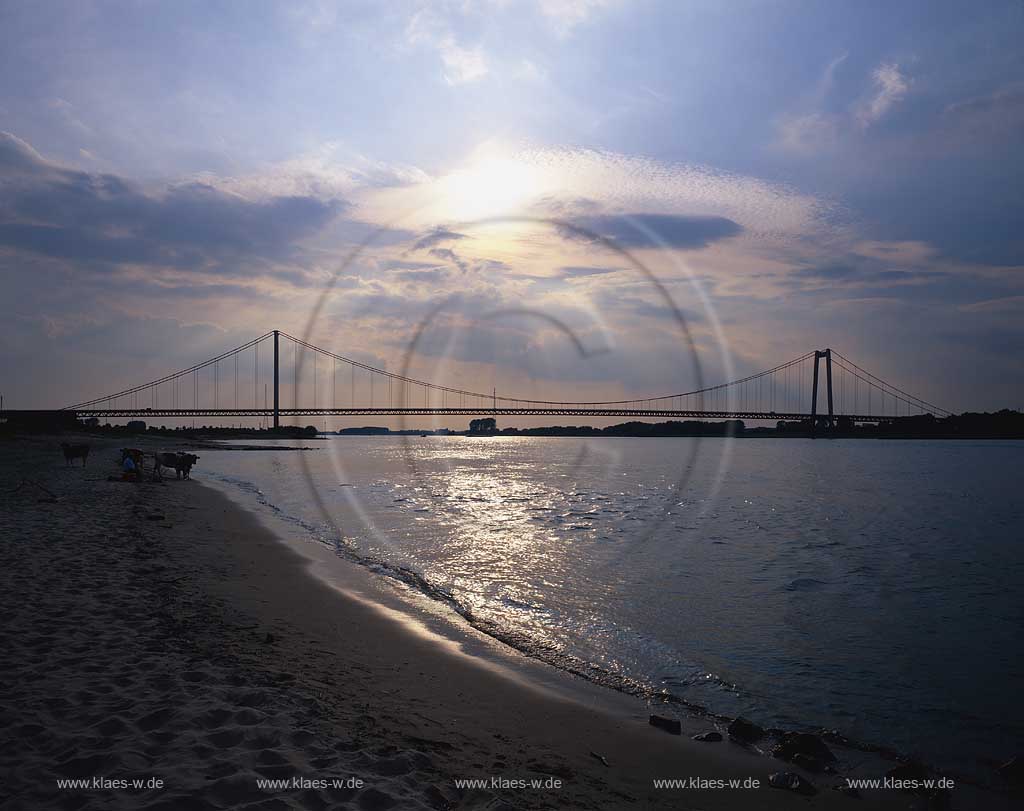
158,632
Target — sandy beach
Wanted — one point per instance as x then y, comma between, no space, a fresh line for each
164,650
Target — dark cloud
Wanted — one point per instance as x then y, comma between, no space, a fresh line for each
904,275
401,264
657,230
79,244
491,266
867,273
828,272
435,238
448,255
432,275
68,214
576,271
17,157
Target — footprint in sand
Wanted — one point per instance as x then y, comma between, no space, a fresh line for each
211,719
226,738
155,719
249,717
111,726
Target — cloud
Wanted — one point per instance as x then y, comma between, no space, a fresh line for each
402,265
576,271
1014,304
435,275
809,132
448,255
436,237
529,70
890,88
659,230
817,127
461,64
566,15
629,183
994,116
828,272
828,77
17,157
849,273
68,214
566,183
329,170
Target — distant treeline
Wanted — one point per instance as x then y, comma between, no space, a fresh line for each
1005,424
671,428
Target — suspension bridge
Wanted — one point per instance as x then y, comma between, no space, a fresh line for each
252,381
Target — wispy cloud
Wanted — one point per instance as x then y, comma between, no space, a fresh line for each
565,15
980,120
1013,304
461,64
808,132
890,87
818,125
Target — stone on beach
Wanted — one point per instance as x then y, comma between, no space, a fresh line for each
810,763
745,731
791,782
670,725
804,744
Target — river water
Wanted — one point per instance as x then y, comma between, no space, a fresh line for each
868,586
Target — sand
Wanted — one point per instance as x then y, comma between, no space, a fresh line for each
156,632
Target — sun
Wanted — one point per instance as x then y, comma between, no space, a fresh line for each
493,183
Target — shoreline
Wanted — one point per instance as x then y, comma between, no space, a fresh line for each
248,664
570,677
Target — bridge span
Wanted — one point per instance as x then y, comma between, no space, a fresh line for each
820,386
669,414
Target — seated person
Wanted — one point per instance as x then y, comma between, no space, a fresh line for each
131,470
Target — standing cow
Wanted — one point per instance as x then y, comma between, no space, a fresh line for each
181,462
72,452
185,463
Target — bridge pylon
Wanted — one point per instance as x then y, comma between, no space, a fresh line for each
825,422
277,387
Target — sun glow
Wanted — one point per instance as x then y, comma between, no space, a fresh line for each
494,183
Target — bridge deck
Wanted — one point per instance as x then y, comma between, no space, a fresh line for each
567,411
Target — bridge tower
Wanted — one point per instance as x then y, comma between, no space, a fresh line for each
828,423
276,381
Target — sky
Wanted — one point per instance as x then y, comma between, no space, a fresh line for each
515,194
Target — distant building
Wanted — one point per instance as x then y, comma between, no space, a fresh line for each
137,426
484,425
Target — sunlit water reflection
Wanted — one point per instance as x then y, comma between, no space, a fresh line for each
868,586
